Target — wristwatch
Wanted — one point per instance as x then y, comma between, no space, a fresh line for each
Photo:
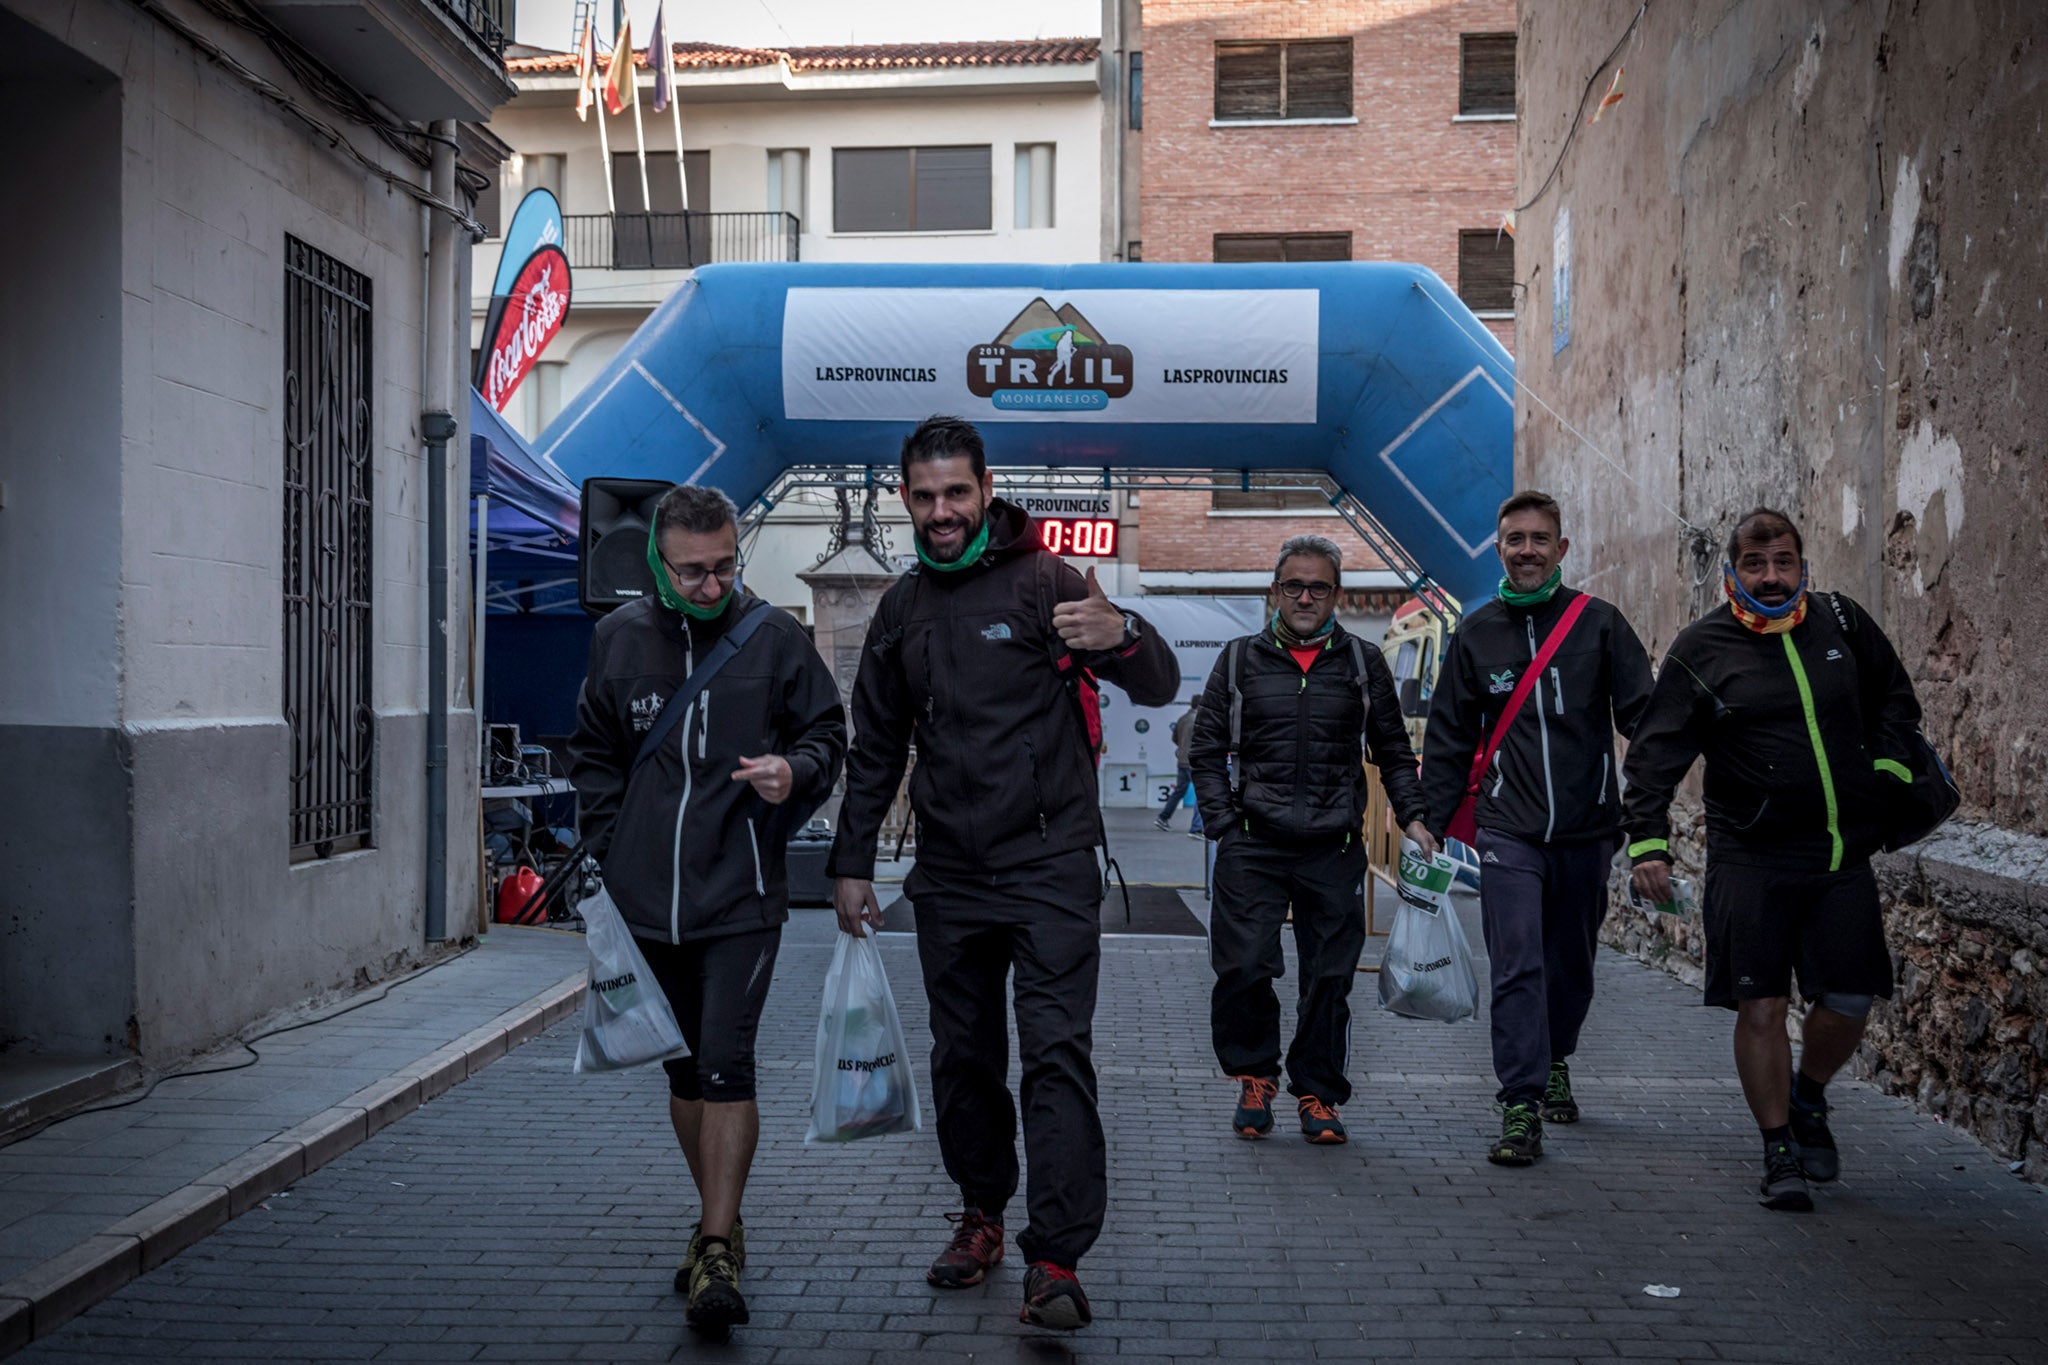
1130,632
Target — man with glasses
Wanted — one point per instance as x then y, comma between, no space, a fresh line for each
1548,810
692,839
1281,789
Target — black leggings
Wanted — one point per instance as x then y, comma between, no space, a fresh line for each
716,986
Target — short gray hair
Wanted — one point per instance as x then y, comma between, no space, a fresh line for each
1312,545
700,511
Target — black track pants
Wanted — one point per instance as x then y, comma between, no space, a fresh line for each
1039,925
1254,884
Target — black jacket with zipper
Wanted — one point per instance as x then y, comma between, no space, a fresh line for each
1794,747
1553,777
687,852
962,662
1299,737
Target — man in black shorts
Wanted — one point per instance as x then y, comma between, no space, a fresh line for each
1806,718
692,840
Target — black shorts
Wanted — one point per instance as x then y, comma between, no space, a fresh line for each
716,986
1765,924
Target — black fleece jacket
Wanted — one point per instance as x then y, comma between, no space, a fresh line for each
687,852
1553,777
1802,733
963,663
1299,738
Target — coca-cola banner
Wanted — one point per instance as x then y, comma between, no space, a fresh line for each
522,322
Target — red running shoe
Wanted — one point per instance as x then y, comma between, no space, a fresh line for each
976,1249
1053,1298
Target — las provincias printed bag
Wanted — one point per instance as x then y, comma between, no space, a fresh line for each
626,1018
862,1086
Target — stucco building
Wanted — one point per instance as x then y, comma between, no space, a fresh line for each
230,311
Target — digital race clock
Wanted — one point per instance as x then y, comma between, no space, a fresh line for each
1079,536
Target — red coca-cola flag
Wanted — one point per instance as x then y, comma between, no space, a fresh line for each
522,323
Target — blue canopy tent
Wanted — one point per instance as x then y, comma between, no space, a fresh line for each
1375,374
529,576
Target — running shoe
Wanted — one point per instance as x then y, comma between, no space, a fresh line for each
1053,1298
715,1303
1320,1124
1521,1136
1162,827
1254,1116
1558,1104
739,1253
976,1249
1816,1145
1783,1185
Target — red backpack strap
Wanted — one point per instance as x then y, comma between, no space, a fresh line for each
1484,758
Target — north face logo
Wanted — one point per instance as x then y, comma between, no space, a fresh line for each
999,631
1503,681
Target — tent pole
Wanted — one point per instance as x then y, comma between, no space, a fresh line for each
476,662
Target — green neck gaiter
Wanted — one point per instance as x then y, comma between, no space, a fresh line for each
675,601
1536,598
1286,637
967,556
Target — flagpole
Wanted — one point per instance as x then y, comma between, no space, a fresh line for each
604,143
639,136
675,109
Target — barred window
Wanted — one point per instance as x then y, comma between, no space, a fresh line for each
327,565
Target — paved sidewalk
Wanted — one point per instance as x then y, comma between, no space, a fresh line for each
536,1215
129,1185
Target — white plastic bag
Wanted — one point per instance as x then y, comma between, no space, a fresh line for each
862,1086
626,1018
1427,971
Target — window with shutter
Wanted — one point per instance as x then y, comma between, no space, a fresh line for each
1486,78
1486,271
1230,494
911,189
1239,248
1318,81
1310,78
1247,80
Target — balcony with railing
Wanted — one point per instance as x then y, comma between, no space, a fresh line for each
676,241
423,59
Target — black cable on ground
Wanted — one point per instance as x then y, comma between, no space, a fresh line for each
246,1044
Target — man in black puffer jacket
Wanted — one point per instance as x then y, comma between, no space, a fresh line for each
692,840
1304,694
976,655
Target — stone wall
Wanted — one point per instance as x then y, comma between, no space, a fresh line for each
1803,262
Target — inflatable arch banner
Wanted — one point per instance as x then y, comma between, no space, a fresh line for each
1376,374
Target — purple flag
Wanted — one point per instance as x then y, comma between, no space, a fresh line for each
661,58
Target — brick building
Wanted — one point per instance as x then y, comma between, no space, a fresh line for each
1369,130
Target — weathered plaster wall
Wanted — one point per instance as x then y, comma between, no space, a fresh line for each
1808,257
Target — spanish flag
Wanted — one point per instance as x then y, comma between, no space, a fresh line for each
620,89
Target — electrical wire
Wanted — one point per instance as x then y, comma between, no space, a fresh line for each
247,1045
324,131
1573,131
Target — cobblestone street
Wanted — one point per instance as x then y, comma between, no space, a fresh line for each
537,1215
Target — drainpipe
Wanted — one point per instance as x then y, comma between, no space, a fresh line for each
438,426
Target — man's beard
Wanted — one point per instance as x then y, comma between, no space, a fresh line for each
972,529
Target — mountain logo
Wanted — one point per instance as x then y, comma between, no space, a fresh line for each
1049,359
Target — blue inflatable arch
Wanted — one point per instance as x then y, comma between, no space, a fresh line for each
1376,374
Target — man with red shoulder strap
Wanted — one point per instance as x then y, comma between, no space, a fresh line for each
1547,810
977,655
1808,725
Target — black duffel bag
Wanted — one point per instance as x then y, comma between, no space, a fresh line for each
1917,808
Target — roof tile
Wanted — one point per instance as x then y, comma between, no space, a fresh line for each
847,57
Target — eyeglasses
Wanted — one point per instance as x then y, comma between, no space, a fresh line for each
692,577
1294,587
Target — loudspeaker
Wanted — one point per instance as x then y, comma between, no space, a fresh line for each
611,545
